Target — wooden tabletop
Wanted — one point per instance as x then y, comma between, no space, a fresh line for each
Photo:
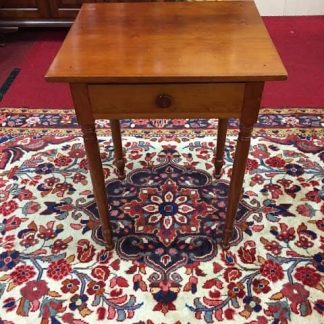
167,42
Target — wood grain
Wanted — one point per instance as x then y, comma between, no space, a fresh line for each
250,110
86,121
220,147
187,100
119,160
167,42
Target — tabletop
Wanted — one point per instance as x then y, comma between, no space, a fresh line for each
167,42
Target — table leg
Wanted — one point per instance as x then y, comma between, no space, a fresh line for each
98,182
237,177
117,140
249,115
86,120
221,137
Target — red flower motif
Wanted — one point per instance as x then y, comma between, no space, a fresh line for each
11,223
22,274
203,153
100,272
260,286
25,194
80,178
314,196
96,288
236,290
286,234
135,154
260,151
50,182
232,273
77,153
62,160
247,252
70,285
34,290
59,269
28,239
252,164
297,294
304,210
304,242
272,270
8,207
47,232
84,164
275,162
58,246
9,242
308,276
274,247
85,250
274,189
285,182
61,188
257,179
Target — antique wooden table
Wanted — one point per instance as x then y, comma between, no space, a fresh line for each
167,60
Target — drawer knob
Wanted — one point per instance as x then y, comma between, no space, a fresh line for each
163,101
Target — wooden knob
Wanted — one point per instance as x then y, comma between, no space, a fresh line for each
163,101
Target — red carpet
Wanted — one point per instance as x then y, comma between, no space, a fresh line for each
299,40
17,47
30,88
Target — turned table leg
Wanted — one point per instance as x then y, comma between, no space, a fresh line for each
98,182
86,120
249,115
241,154
117,140
221,137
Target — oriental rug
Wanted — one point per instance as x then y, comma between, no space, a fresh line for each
167,217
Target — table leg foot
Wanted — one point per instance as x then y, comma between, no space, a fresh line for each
227,236
120,165
235,190
217,176
225,246
110,247
97,178
109,243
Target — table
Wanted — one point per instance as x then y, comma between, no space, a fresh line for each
167,60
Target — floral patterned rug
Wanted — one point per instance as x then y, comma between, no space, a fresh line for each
167,217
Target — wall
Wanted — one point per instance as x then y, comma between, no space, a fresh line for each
290,7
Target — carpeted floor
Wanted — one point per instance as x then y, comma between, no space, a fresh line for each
167,218
299,40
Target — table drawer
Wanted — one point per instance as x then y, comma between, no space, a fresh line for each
203,100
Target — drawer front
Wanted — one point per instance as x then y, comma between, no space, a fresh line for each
203,100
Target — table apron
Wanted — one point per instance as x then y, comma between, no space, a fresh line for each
198,100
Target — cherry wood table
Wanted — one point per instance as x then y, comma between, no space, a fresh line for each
167,60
